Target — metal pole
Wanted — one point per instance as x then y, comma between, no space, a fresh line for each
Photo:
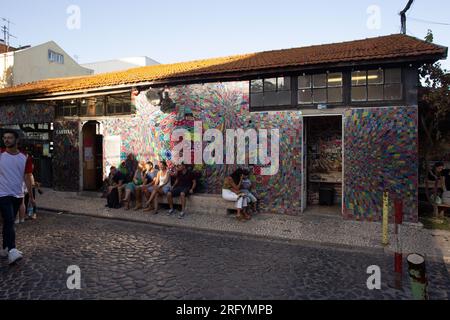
398,255
385,240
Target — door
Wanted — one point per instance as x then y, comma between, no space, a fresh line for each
89,156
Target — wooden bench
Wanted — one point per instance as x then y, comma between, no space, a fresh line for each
439,210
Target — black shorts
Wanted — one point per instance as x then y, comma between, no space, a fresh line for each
177,191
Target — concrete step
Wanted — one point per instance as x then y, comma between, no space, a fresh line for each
204,203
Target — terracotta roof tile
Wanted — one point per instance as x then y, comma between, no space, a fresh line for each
392,46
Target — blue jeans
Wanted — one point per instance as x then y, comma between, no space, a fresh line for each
9,207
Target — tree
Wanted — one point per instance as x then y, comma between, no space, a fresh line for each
434,111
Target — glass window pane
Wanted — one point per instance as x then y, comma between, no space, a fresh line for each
393,75
99,109
127,108
304,96
320,80
359,78
83,111
270,99
334,95
320,96
393,92
284,83
256,100
73,111
99,105
304,82
284,98
67,112
375,93
375,76
119,108
335,79
256,86
270,84
359,94
110,109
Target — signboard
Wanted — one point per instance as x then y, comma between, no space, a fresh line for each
112,151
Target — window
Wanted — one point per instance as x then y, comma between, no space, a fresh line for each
92,107
320,88
270,92
377,85
67,108
118,104
55,57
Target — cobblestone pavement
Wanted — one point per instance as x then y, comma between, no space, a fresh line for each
126,260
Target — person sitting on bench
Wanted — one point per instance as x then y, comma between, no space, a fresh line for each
162,186
183,187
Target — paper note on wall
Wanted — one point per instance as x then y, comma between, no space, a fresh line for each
112,151
88,154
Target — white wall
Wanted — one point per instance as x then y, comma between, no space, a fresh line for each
6,61
32,64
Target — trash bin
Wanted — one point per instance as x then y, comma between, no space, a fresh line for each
326,196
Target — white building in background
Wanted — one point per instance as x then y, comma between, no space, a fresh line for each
44,61
120,64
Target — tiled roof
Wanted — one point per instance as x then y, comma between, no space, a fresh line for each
4,48
385,47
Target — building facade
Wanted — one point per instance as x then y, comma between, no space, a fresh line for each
44,61
347,131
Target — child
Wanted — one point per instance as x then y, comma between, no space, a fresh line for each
246,186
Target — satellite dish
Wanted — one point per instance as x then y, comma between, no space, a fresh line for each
154,96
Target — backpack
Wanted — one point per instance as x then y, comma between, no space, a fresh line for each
113,199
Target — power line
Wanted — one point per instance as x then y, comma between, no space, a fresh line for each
429,21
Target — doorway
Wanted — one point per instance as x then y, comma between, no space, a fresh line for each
323,164
92,157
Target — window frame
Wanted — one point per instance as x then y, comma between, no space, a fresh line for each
55,57
265,93
383,85
327,88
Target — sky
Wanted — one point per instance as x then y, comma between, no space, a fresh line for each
174,30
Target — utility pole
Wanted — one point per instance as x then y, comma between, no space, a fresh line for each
6,34
403,15
6,37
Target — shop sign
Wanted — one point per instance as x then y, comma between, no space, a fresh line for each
64,132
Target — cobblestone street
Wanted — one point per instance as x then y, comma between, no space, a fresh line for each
126,260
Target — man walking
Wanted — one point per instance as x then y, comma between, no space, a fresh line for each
15,168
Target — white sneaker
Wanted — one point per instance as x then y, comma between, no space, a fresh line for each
17,221
171,212
14,255
182,215
22,221
4,253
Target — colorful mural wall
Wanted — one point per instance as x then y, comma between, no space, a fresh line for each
380,152
66,170
218,106
26,113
